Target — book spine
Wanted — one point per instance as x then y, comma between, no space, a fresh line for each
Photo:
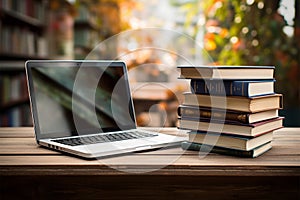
198,113
207,148
216,87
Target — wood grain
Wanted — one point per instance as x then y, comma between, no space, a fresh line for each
21,150
149,187
28,171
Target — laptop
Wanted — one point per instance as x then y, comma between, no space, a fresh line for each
85,108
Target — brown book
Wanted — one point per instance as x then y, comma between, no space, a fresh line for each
228,115
248,130
227,72
232,142
236,103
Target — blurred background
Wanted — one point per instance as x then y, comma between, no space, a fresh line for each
227,32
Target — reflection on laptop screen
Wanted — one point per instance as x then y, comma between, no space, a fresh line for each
81,100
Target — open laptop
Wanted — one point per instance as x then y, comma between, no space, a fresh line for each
85,108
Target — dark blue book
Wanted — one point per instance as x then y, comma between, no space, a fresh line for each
232,88
226,151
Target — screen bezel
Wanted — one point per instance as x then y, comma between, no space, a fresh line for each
72,63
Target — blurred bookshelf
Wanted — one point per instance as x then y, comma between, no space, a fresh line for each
45,29
22,29
86,31
96,21
23,37
14,105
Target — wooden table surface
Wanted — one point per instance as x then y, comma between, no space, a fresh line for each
178,173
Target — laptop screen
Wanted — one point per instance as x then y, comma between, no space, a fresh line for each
76,98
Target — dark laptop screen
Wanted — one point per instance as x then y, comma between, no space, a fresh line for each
70,99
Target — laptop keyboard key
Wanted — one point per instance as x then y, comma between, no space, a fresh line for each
104,138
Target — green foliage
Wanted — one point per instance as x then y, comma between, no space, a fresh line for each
237,33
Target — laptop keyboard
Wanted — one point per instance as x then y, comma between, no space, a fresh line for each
95,139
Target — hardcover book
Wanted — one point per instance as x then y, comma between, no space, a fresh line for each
227,72
249,130
229,141
242,104
232,88
199,113
192,146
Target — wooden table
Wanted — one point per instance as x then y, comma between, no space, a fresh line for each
31,172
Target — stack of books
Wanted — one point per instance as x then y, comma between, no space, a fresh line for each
230,110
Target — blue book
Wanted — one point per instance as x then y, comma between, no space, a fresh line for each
232,88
